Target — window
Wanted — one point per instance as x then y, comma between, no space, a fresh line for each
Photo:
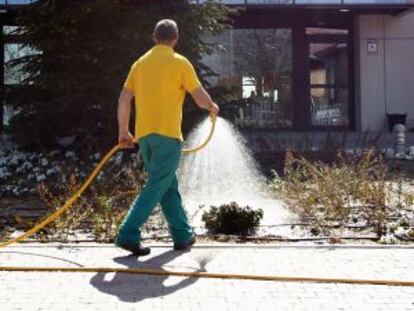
255,65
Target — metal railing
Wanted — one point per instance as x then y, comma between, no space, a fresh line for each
262,113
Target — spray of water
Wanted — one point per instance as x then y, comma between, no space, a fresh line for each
225,171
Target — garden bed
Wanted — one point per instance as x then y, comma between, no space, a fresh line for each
29,193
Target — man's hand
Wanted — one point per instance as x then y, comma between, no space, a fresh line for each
203,100
126,138
214,109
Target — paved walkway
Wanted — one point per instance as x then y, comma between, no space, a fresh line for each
108,291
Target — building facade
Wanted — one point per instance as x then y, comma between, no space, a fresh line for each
319,65
307,66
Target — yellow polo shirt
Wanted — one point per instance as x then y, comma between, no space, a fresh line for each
160,80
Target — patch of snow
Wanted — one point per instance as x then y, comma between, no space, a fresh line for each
400,231
118,159
40,177
399,155
51,171
54,152
388,239
4,174
65,141
27,165
70,154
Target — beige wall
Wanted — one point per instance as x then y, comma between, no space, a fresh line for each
386,79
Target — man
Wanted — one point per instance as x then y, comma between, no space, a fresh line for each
159,81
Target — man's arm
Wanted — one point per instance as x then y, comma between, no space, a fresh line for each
124,111
204,101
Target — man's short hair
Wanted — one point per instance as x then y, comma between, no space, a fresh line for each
166,30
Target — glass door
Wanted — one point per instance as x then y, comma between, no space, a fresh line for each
329,72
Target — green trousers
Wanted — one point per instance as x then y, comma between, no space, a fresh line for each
161,156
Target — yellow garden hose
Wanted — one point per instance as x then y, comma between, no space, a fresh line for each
85,185
210,135
210,275
71,200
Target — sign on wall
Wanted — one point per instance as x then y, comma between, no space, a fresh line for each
372,46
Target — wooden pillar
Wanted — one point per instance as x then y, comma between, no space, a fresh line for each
301,108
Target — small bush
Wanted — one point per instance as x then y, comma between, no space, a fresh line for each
232,219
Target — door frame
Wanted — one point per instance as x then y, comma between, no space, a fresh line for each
332,38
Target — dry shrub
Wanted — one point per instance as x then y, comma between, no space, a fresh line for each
80,211
99,210
330,197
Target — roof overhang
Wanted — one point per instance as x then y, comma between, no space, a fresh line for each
353,9
356,7
267,15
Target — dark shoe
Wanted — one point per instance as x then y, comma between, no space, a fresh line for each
137,250
181,246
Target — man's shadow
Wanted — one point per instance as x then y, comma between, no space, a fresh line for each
130,287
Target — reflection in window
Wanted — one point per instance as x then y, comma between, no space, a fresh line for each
255,65
329,63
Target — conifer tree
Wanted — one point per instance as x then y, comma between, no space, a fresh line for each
84,51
